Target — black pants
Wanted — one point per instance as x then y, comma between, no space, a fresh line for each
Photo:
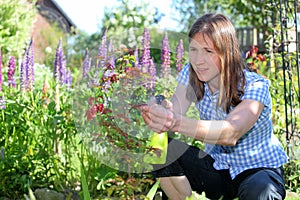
197,166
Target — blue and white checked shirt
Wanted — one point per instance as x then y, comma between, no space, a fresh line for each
259,147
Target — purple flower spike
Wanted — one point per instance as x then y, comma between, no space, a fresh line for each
1,79
179,55
30,72
152,72
69,79
23,73
102,50
11,72
145,57
86,65
165,57
111,57
2,103
60,65
27,70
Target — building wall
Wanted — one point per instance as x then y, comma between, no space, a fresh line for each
40,43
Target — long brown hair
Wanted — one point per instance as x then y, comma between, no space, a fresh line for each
221,32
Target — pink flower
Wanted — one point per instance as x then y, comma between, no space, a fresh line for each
1,80
179,55
165,57
11,72
145,57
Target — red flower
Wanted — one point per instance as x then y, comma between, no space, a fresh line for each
252,52
261,57
109,66
254,49
114,78
131,52
100,107
91,112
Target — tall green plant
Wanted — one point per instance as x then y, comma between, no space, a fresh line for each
16,20
284,89
28,129
30,125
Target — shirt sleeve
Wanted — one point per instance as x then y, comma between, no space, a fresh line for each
257,88
183,77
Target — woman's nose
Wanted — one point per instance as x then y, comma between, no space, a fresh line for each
199,58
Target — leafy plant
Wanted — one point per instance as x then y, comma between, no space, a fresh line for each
16,19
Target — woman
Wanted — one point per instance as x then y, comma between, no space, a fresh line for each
242,157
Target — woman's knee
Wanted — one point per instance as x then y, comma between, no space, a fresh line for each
264,185
176,187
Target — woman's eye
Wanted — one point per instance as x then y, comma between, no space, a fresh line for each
209,51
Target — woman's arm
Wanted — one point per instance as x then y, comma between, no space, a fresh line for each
223,132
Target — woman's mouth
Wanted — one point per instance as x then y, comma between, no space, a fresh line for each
202,70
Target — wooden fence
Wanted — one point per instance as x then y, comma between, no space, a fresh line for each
249,36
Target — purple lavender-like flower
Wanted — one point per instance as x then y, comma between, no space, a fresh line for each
2,100
111,57
179,55
69,79
145,57
1,79
30,77
86,65
56,65
60,65
106,85
102,50
23,72
165,57
152,72
27,70
11,72
2,103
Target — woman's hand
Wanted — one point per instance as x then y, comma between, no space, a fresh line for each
160,118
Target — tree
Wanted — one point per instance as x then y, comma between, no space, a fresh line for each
126,21
16,18
254,13
125,24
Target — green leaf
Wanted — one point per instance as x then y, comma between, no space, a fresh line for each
86,193
153,190
31,195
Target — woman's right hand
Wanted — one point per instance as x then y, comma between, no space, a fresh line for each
160,118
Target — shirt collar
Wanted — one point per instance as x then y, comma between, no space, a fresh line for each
209,94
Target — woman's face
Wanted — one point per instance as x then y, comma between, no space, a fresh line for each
205,60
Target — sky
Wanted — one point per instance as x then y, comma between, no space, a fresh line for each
87,14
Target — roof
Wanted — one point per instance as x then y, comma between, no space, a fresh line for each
54,13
